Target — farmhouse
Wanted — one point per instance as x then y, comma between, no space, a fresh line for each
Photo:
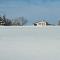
41,23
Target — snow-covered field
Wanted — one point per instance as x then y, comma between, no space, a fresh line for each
29,43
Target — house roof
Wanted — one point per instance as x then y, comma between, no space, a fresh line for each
40,21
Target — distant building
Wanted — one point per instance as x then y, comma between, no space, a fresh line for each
41,23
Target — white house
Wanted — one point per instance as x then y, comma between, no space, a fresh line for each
41,23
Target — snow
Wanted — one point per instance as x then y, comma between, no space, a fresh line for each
29,43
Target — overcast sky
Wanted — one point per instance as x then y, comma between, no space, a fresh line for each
31,9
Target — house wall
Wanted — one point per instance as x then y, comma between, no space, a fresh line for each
41,24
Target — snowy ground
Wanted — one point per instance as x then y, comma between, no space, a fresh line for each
30,43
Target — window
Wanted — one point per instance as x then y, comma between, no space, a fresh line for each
35,24
39,23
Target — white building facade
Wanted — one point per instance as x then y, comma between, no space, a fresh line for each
40,23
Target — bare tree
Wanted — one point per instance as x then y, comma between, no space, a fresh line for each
7,21
19,21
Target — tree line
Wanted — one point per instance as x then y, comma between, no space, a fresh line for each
20,21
